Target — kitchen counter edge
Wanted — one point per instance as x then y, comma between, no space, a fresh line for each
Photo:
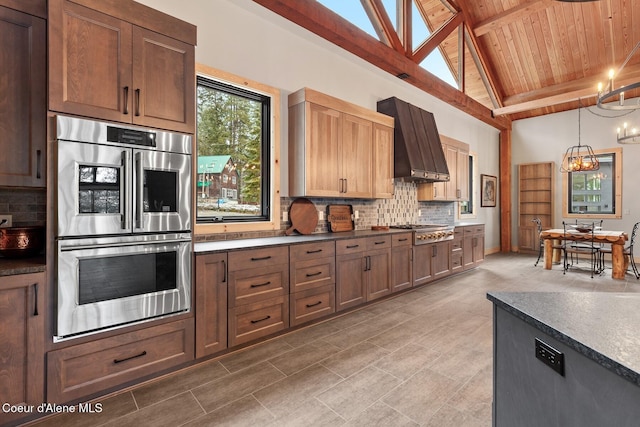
15,266
600,326
229,245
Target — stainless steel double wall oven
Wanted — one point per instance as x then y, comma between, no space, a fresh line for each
123,225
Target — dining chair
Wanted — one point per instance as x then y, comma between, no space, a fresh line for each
586,247
538,223
628,251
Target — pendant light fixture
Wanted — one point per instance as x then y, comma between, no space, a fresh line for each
579,158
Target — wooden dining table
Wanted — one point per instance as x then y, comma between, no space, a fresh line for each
616,239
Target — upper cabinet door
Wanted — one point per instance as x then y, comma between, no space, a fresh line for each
322,152
89,63
164,81
357,157
103,67
23,108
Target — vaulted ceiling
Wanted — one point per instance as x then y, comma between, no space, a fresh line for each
512,59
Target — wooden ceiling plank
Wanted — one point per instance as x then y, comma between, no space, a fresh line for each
437,37
323,22
509,16
382,24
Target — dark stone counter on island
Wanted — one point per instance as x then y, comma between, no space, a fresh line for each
594,336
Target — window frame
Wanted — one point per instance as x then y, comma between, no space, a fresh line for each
617,196
473,166
273,221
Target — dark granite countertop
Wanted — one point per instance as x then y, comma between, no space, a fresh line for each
13,266
226,245
604,327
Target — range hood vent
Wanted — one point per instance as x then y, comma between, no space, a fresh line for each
418,153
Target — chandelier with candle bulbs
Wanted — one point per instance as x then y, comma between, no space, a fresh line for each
608,95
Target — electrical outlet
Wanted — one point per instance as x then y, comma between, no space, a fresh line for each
419,212
356,214
285,216
6,220
320,215
550,356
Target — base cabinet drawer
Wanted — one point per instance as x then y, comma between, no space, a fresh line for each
260,319
96,366
258,284
312,304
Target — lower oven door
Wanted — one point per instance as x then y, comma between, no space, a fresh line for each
109,282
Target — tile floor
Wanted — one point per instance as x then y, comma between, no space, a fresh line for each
423,358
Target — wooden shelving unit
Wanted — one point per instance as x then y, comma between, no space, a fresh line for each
535,200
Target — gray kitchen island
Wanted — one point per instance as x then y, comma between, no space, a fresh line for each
566,359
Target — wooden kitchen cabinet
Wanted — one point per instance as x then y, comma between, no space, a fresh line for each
312,272
457,250
335,148
258,298
126,63
457,188
431,261
473,246
93,367
363,270
22,335
401,261
23,82
211,303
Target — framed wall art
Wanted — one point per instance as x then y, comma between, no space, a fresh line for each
488,190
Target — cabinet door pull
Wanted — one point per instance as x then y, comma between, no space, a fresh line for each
261,320
403,240
345,186
314,274
135,356
367,263
38,163
314,304
352,246
126,100
261,259
315,251
435,251
137,102
257,285
379,243
35,299
224,271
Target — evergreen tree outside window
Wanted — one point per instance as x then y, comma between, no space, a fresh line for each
233,168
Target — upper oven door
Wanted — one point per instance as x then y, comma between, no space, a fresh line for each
161,194
92,189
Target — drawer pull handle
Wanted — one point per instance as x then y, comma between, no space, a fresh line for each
261,258
352,246
257,285
314,252
403,240
35,296
379,243
314,304
144,353
314,274
261,320
224,271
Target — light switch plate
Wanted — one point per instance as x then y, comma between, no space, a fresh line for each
6,220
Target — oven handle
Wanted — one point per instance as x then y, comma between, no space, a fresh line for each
139,184
124,221
121,244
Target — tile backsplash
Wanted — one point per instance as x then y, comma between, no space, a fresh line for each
27,206
403,208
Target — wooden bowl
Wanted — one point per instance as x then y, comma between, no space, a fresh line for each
21,242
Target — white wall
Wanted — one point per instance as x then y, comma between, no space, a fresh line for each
243,38
546,138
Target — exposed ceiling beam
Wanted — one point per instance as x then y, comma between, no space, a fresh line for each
316,18
404,25
437,37
510,15
563,92
493,88
382,24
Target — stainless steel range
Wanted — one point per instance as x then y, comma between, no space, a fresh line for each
428,233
